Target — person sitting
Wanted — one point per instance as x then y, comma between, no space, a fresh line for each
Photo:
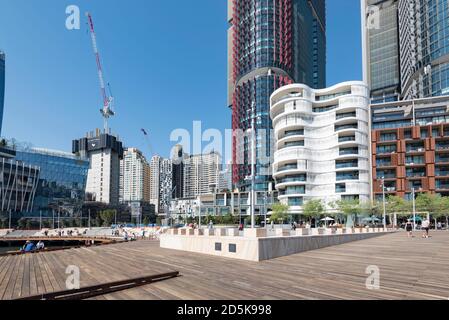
40,246
29,247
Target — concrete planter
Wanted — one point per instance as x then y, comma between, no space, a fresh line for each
190,232
220,232
199,232
303,232
233,232
182,232
282,233
209,232
255,233
173,232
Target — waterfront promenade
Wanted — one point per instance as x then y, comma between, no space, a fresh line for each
409,269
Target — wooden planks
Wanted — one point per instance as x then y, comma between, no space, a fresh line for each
409,269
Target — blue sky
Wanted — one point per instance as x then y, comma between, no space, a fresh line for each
166,62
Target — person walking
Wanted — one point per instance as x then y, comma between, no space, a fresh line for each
409,228
426,227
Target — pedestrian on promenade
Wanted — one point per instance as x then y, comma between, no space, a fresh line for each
409,228
426,227
40,246
211,224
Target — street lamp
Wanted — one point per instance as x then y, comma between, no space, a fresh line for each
384,204
414,209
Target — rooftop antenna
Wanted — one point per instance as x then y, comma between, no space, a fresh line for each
108,100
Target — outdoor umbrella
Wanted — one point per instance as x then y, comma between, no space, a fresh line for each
327,219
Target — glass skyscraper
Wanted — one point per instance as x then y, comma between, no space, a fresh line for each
406,48
270,44
62,180
2,87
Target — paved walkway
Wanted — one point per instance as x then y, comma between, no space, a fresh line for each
409,269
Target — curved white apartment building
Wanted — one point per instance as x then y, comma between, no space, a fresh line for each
322,143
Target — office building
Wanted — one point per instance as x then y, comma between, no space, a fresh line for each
62,180
165,185
322,143
178,157
201,173
134,177
410,147
2,87
406,48
104,152
18,183
270,44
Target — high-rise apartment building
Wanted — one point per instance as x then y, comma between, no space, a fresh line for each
406,48
2,87
104,152
410,150
201,174
322,143
155,167
271,43
134,177
165,185
178,157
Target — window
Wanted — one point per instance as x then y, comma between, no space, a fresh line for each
351,175
340,188
388,137
349,151
386,149
341,164
295,202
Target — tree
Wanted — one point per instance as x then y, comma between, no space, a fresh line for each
349,208
108,217
146,220
280,212
314,209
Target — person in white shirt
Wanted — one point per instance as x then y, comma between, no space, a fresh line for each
426,227
40,245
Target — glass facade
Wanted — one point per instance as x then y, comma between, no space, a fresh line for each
62,180
2,88
274,43
384,53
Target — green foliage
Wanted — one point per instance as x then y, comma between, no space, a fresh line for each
280,212
314,209
146,220
348,208
107,216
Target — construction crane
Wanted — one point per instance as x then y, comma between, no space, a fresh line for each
147,139
108,100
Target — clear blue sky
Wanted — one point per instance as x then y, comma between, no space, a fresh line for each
165,60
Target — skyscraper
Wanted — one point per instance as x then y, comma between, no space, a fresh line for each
271,43
134,177
406,48
2,87
201,174
155,167
178,157
104,152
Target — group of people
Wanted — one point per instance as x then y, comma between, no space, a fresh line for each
425,227
29,246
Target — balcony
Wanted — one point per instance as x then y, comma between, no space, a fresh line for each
293,133
442,173
288,167
442,159
346,115
387,137
346,127
347,176
294,144
384,175
386,149
442,146
416,173
346,139
383,163
349,151
296,178
346,164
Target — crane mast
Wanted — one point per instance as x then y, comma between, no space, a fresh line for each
107,109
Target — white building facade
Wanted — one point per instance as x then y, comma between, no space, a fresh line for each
134,177
201,174
322,143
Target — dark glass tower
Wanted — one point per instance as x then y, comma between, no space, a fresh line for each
271,43
2,87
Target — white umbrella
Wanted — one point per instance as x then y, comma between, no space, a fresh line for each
327,219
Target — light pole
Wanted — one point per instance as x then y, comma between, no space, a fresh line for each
414,209
253,164
384,204
9,219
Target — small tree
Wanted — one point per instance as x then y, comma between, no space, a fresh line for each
108,217
314,209
349,208
280,212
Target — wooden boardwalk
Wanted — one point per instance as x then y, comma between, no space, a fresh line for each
409,269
